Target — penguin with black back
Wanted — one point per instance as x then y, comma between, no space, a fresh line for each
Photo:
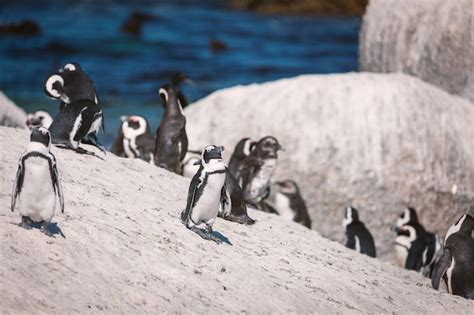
241,152
289,203
358,236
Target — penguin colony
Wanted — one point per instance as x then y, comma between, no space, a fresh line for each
216,190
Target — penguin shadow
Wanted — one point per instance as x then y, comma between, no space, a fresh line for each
53,228
222,237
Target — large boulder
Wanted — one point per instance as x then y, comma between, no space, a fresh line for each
10,114
430,39
124,250
376,141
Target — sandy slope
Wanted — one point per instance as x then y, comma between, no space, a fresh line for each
125,250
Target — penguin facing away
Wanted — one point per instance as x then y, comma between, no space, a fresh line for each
205,193
258,169
289,204
135,139
171,140
357,235
241,151
37,185
233,207
77,122
40,118
456,265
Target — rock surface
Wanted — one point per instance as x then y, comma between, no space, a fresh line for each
10,114
125,251
376,141
430,39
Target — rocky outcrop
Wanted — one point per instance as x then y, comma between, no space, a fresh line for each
124,250
430,39
10,114
376,141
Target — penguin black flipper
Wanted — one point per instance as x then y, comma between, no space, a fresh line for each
194,193
20,175
57,183
350,242
441,267
415,255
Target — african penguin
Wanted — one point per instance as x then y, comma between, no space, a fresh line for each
171,140
70,84
258,168
233,207
357,235
289,204
241,151
415,248
135,139
456,265
205,193
77,122
37,182
39,118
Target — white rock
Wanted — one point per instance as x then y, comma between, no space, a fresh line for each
10,114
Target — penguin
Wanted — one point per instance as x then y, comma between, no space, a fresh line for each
206,193
77,122
171,143
233,207
357,235
135,139
415,248
289,204
37,186
456,265
258,168
70,84
191,163
40,118
241,151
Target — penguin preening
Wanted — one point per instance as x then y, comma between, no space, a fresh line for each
206,193
37,182
241,151
289,204
415,248
70,84
357,235
134,139
456,265
171,140
77,122
40,118
258,168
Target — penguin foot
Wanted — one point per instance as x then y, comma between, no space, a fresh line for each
45,229
95,142
242,219
205,235
25,223
84,151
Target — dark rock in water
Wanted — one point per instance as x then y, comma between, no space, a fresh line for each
134,24
303,7
23,28
217,46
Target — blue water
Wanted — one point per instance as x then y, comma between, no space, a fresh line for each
128,71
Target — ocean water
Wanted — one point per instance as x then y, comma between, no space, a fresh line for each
128,70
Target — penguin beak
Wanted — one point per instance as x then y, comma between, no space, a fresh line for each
281,148
221,148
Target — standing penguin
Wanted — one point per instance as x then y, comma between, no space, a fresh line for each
134,139
37,182
39,118
241,151
357,235
77,122
289,204
415,248
171,139
233,207
258,169
70,84
205,193
456,265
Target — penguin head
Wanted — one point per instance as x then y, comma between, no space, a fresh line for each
244,147
41,135
71,68
167,94
351,214
212,153
464,225
54,88
134,124
408,216
268,147
408,231
287,187
39,118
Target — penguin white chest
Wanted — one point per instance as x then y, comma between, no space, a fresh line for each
282,206
37,198
261,180
207,206
402,245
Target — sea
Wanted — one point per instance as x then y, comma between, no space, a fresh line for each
128,70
